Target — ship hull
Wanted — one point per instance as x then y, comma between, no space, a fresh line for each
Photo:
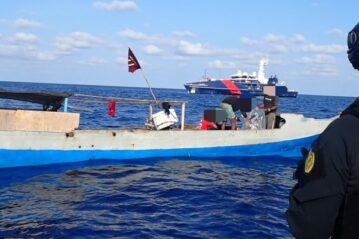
245,90
244,93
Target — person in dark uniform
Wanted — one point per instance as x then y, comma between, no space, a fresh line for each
230,105
325,201
270,106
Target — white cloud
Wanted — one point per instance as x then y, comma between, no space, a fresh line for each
152,50
134,35
318,59
44,56
24,53
320,64
116,5
245,58
9,50
93,61
271,43
279,44
298,38
197,49
322,70
324,49
76,40
182,47
26,23
248,41
278,48
150,39
268,39
272,38
122,60
181,58
218,64
22,37
184,34
337,33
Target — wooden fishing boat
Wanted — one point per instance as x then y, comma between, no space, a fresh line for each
33,137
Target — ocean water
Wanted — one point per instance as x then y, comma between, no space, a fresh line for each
173,198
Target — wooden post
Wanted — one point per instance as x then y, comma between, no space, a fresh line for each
183,115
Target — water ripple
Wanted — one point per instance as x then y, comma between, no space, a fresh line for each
175,198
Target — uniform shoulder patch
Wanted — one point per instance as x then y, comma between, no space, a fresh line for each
309,162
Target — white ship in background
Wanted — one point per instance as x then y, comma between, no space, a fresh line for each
242,84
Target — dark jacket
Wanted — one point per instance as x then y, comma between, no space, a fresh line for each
325,200
269,102
234,101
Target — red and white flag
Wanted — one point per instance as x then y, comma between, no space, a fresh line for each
133,64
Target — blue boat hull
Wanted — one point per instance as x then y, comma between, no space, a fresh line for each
284,149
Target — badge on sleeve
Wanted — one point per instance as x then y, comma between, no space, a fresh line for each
309,162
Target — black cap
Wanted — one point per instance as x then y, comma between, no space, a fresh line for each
353,47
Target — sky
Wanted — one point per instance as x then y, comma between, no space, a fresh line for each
179,41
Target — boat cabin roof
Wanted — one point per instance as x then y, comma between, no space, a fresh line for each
44,98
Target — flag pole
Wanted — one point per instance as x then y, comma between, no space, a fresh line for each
134,65
153,95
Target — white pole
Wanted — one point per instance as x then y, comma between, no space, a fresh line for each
153,95
183,115
66,101
151,112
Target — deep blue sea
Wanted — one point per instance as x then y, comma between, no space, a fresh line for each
222,198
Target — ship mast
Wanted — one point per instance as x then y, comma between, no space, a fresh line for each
261,70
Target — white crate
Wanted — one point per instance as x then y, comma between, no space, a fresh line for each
162,120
